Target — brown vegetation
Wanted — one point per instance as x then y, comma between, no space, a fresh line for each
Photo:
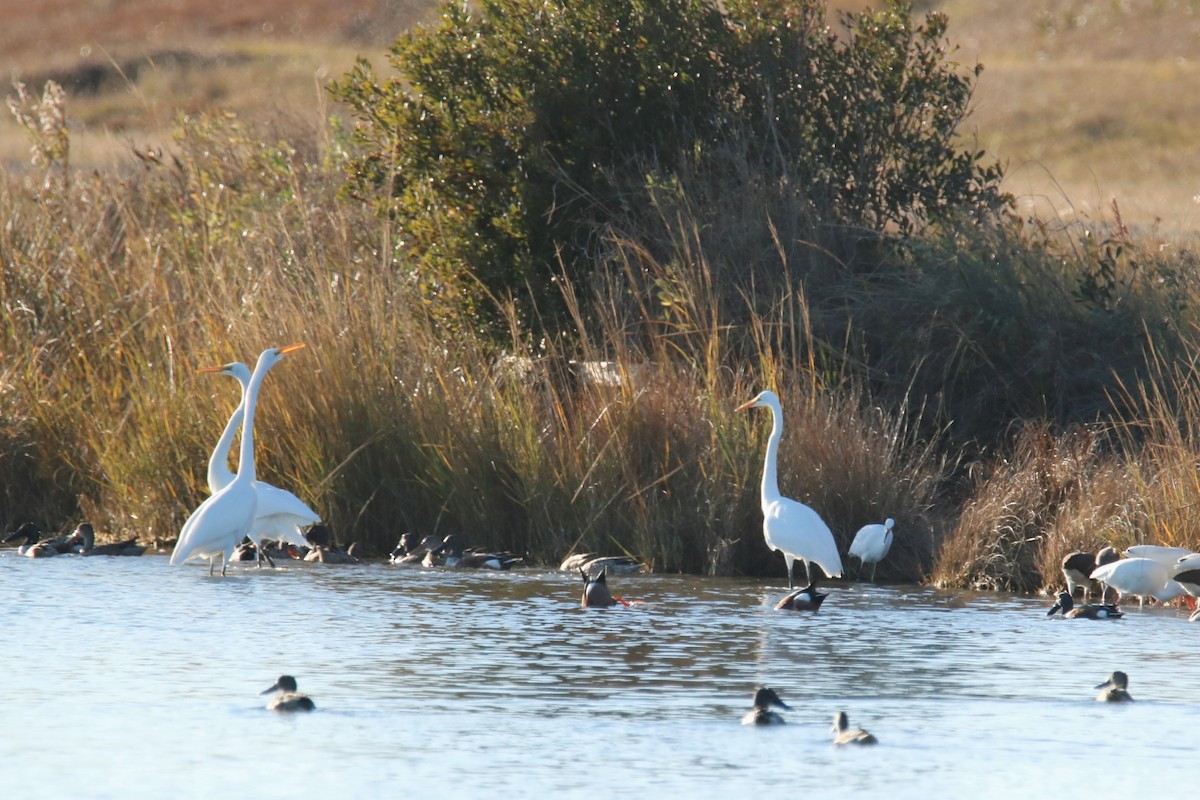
227,235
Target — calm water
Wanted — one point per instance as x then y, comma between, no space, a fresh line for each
127,678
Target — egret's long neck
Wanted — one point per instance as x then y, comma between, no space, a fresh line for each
219,474
246,456
770,478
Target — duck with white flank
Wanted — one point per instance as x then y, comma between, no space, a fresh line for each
761,713
844,734
1087,611
410,551
35,546
1115,689
806,599
792,528
872,543
289,698
453,553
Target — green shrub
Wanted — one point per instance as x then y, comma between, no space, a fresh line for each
512,135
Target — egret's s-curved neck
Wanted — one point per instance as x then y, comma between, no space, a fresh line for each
219,474
246,455
770,478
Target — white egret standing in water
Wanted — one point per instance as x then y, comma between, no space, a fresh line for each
872,543
791,527
280,514
221,522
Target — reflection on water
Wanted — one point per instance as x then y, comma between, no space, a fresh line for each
127,678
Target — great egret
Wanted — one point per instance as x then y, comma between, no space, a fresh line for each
595,591
84,537
1114,690
790,527
289,699
1087,611
844,734
1144,577
872,543
762,714
218,526
281,514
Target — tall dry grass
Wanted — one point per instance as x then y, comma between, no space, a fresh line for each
117,286
896,362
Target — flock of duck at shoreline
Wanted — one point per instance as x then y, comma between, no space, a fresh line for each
244,519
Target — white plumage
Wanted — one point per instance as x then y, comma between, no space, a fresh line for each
280,514
221,522
1143,577
791,527
872,543
1167,556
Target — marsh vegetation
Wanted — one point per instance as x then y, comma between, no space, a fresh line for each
1006,388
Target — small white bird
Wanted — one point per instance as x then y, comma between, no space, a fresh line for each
872,543
218,525
1143,577
791,527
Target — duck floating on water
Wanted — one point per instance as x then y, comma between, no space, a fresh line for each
806,599
761,713
84,539
592,563
410,550
34,545
328,555
453,553
844,734
1115,689
289,698
1087,611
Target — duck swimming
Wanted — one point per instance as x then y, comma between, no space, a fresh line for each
84,538
454,554
761,713
595,591
327,555
1115,689
618,565
806,599
1087,611
844,734
35,546
289,699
